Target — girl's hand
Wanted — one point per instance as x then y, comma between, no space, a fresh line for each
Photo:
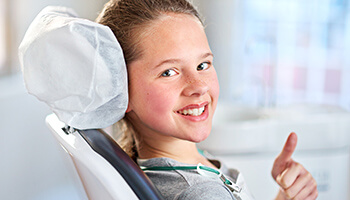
294,180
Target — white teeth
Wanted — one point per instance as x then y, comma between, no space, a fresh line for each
193,112
201,110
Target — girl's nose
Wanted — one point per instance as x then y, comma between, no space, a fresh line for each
195,87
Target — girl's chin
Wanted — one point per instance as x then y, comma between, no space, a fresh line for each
199,138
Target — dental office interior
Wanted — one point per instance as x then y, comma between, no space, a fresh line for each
283,66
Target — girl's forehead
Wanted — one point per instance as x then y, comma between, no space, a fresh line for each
172,33
174,21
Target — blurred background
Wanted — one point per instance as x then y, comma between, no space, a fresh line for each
283,65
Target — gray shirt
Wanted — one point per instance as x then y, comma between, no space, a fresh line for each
189,184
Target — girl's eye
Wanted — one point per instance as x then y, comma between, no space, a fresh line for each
168,73
203,66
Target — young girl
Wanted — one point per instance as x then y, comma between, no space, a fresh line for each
173,92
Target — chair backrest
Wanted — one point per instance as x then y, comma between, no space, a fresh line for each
105,170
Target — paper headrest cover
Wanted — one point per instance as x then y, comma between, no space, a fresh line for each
76,67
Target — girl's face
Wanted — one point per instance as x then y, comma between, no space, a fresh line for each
173,87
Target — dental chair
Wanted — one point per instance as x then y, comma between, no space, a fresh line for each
77,68
105,170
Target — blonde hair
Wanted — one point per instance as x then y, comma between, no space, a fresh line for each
128,20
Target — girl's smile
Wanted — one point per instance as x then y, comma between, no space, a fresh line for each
195,112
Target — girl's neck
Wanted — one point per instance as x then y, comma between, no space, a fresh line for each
177,149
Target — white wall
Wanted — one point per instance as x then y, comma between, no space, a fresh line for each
23,12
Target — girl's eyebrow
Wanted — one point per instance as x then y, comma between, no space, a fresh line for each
207,55
175,60
167,61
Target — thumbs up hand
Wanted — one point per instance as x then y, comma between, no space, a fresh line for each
294,180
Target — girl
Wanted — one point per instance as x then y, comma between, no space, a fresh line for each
173,92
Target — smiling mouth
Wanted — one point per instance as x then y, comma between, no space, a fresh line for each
192,112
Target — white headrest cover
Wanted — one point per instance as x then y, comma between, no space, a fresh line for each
76,67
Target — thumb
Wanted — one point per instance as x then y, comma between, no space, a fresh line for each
284,158
289,147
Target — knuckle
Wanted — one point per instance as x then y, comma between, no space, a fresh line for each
309,176
300,167
313,196
316,194
283,183
298,198
314,184
289,193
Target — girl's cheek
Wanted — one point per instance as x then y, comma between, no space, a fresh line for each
214,85
159,99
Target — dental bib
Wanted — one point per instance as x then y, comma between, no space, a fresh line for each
76,67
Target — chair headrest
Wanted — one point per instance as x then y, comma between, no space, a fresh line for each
76,67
